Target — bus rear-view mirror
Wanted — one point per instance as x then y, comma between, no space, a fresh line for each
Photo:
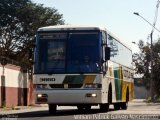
107,53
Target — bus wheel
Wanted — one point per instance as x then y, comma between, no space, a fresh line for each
80,108
52,108
124,105
117,106
88,107
84,107
104,107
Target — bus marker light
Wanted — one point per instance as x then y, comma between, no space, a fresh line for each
42,95
42,98
39,95
91,95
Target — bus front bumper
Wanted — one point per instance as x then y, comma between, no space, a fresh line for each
69,97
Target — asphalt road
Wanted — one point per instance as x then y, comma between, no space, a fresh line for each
137,109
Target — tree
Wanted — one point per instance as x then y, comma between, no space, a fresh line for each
19,20
142,62
10,27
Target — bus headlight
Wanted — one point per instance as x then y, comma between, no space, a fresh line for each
91,95
39,95
42,95
42,98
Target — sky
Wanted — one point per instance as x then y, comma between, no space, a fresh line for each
116,15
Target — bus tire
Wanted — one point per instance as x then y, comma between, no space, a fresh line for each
124,105
80,108
117,106
88,107
52,108
104,107
84,107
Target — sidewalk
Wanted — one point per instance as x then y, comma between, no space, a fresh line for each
138,100
19,109
144,101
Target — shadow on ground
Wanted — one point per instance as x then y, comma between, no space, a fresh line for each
45,113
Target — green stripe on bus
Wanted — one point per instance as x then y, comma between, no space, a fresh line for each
117,83
79,79
74,79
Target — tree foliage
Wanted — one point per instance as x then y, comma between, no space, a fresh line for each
142,62
19,20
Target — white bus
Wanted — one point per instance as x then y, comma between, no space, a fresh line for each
81,66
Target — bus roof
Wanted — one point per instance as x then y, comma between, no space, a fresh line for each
69,27
80,27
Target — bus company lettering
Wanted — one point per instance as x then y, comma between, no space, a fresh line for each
47,79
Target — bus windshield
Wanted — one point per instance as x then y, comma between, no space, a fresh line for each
84,52
70,52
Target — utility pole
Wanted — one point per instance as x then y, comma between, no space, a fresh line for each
152,90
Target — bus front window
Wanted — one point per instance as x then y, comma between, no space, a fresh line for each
84,52
77,52
51,53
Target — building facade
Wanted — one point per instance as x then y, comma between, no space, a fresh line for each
15,87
